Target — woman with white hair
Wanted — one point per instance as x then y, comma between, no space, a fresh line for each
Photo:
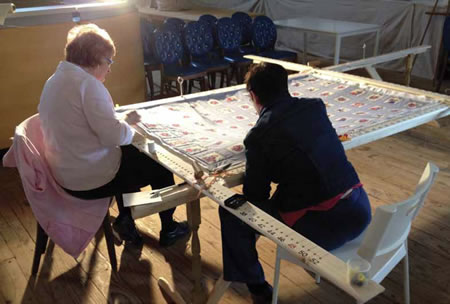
87,145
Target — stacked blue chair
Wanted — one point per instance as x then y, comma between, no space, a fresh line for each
446,45
151,60
264,36
170,50
212,22
229,35
176,25
210,19
200,43
245,21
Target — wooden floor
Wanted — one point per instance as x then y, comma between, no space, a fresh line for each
389,169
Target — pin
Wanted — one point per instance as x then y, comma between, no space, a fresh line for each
180,80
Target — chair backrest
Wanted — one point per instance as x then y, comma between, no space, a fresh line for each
229,34
210,19
212,22
148,43
69,221
169,46
245,21
391,224
174,24
264,33
198,38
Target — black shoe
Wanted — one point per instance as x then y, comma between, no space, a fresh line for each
262,294
125,230
168,238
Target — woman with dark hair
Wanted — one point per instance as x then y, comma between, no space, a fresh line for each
87,145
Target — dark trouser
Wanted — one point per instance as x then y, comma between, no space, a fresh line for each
328,229
136,170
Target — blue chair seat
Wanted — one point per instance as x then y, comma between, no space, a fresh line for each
248,50
276,54
235,58
151,61
176,70
210,64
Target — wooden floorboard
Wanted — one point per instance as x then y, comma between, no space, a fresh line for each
389,169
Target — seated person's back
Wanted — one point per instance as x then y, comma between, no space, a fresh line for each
319,195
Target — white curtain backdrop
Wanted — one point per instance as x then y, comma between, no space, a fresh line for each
402,25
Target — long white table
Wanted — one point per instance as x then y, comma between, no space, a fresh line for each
336,28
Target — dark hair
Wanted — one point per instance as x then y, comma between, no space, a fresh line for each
88,44
267,81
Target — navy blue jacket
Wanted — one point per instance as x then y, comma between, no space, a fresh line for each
294,145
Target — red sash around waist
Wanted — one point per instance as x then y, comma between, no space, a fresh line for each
289,218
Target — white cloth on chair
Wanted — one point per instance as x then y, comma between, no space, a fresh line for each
69,222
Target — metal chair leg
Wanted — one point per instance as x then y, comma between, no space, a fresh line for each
42,240
206,86
149,75
222,76
41,245
212,83
110,242
406,275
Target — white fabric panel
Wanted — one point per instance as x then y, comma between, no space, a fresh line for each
402,25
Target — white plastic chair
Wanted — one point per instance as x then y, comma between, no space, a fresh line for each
385,241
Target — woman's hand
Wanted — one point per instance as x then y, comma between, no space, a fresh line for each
132,117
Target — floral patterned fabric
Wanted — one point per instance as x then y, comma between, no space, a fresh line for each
210,130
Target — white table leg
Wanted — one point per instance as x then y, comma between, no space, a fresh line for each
337,49
377,43
305,46
373,73
219,289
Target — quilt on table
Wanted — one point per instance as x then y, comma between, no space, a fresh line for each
210,129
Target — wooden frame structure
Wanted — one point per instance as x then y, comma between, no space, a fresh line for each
318,259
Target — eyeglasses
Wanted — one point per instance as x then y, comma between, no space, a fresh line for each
109,61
